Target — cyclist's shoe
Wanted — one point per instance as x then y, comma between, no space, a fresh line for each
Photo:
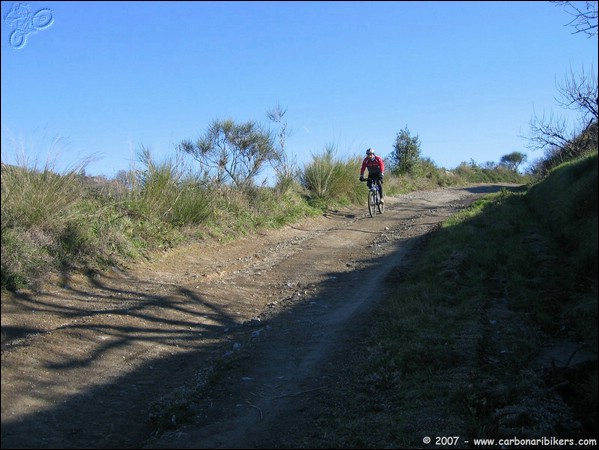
382,201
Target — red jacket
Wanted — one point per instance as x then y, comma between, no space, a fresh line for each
375,166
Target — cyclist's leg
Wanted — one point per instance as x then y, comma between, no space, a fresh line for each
380,183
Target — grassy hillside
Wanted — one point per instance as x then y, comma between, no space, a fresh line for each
64,223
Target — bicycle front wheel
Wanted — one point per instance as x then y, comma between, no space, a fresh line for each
371,203
381,207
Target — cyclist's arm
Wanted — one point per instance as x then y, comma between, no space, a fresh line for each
363,168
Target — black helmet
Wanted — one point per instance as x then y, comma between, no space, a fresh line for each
370,151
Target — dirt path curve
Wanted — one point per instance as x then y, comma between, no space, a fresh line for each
100,362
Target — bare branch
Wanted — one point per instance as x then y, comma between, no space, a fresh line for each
548,133
579,92
584,21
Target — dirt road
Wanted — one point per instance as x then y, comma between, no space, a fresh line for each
104,361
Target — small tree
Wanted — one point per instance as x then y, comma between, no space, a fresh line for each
513,160
285,169
560,140
578,93
231,152
406,152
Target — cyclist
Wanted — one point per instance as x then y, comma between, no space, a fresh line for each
376,170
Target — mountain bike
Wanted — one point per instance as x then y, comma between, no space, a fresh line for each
374,199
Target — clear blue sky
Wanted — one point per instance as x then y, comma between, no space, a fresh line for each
111,77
